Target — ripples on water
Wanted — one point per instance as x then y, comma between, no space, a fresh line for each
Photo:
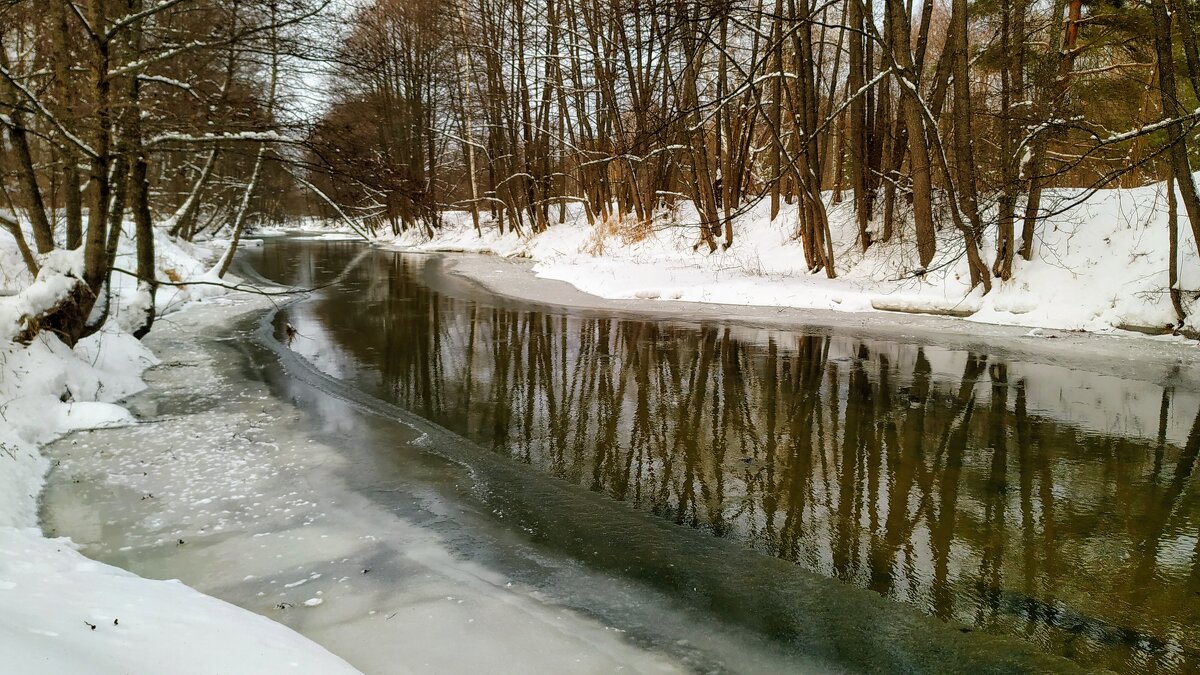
1019,498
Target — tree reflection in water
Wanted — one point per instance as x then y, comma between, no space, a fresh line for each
921,473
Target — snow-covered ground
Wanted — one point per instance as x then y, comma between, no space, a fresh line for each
59,611
1099,266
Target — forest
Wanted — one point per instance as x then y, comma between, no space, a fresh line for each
924,115
199,117
812,336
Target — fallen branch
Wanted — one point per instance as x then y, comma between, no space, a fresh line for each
242,288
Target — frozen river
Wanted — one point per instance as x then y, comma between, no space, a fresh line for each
432,478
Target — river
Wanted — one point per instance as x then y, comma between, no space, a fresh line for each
741,498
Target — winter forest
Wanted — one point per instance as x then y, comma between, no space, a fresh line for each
925,116
578,336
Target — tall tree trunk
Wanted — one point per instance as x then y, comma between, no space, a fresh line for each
1176,133
964,147
914,120
140,195
776,113
857,129
1012,86
239,218
1039,145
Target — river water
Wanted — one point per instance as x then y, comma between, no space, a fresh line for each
744,499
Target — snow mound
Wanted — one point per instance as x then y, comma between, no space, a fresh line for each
63,613
60,273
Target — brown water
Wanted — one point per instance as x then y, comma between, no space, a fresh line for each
1058,507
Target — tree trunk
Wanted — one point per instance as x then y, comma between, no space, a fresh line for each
1040,143
918,148
1173,251
1176,133
857,131
73,203
22,246
964,149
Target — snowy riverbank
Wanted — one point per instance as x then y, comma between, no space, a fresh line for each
288,507
1100,266
1124,374
59,611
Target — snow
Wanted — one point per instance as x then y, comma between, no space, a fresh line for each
1099,266
59,611
63,613
49,390
330,236
262,136
59,274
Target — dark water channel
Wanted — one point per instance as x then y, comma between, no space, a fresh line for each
1048,508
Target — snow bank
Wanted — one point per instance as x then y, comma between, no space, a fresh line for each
59,611
330,236
60,273
48,389
305,227
1100,265
458,234
63,613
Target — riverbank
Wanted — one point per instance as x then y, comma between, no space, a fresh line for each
61,612
1098,266
1125,356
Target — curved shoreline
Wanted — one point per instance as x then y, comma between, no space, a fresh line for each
1132,356
84,613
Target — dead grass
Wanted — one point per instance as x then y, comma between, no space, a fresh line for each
627,230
